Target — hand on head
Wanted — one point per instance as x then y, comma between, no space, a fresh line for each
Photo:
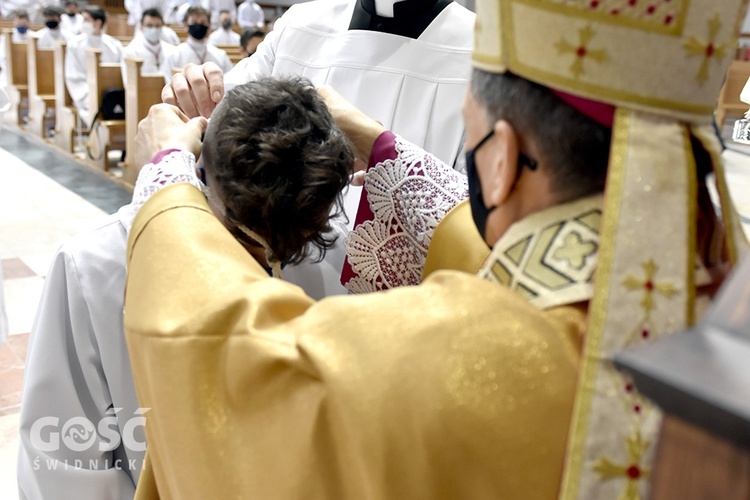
167,127
196,90
361,130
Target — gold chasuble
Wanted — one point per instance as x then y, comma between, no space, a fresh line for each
458,388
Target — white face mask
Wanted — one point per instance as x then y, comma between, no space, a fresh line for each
87,28
152,34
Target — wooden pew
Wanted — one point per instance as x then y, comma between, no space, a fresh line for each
16,62
66,116
41,87
109,133
143,92
729,99
180,30
117,26
233,52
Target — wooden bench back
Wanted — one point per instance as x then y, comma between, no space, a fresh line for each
62,97
101,77
143,92
41,66
16,61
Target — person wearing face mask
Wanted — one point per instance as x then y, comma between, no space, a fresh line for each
179,9
224,35
216,7
196,49
493,385
21,25
72,20
149,46
136,8
92,36
20,34
52,32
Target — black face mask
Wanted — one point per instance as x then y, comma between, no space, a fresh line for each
52,24
479,211
198,31
226,24
71,14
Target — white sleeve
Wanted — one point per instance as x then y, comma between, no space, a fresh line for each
408,196
175,167
242,20
261,63
65,397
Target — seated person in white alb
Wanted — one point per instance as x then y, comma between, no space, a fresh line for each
20,34
51,33
250,15
148,46
72,20
196,48
215,7
21,25
93,36
224,35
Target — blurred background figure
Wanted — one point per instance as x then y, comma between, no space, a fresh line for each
52,32
250,15
72,20
224,34
249,41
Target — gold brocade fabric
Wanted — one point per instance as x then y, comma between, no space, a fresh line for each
457,388
549,257
456,243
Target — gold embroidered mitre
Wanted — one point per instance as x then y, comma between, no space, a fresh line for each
664,56
660,64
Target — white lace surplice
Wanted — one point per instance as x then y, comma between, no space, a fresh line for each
409,192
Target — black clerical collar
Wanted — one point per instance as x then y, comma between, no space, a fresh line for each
410,17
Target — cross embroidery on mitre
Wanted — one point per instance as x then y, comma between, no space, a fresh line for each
581,51
707,50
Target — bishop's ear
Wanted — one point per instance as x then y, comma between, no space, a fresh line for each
503,165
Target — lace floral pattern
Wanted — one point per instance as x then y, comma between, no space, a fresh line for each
409,196
177,166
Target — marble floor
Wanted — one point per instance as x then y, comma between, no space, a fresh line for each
46,198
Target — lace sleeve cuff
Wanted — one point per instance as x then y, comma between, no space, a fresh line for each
408,191
167,167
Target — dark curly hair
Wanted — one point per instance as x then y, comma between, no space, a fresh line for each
280,164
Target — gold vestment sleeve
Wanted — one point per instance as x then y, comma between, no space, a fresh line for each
457,388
